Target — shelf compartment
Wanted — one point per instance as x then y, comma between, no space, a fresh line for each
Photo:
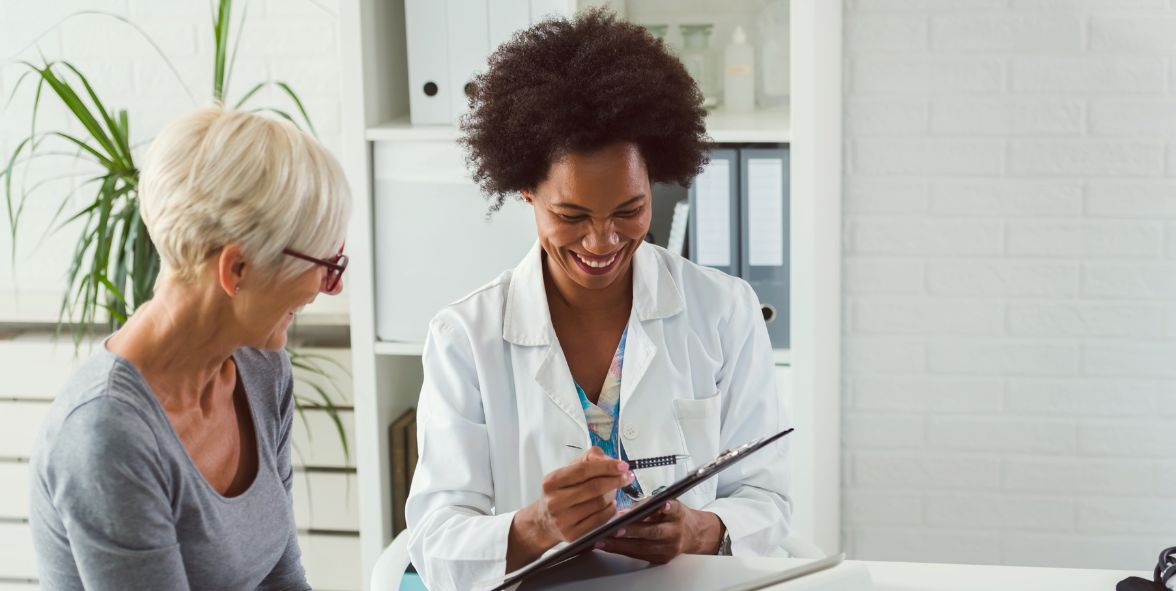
772,126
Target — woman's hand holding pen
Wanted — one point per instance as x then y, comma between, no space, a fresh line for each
576,498
582,495
674,529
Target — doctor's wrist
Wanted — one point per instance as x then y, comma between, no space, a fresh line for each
529,537
537,526
709,533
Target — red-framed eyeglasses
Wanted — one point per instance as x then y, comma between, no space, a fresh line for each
335,267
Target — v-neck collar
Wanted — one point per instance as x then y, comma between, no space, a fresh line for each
243,380
618,358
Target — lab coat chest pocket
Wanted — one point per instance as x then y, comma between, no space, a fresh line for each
699,421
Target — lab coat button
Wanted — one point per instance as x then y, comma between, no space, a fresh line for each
630,432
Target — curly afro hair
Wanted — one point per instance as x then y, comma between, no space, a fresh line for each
565,86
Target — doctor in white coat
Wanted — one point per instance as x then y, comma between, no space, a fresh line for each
597,340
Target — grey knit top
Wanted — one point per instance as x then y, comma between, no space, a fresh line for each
117,503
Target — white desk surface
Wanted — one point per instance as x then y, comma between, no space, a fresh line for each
913,576
689,573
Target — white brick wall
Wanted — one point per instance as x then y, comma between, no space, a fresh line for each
1010,277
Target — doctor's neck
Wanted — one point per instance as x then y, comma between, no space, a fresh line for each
566,293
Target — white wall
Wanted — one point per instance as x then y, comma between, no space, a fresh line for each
1010,277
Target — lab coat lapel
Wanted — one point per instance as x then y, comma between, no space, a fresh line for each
639,352
553,376
655,297
527,323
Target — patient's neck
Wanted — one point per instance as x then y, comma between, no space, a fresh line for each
181,341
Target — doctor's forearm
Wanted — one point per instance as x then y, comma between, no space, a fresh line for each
528,539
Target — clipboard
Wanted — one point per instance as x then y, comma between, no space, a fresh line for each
647,507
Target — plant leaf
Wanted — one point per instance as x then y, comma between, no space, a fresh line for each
102,159
120,149
306,362
146,263
249,95
278,112
220,34
315,357
16,86
298,103
8,191
79,110
237,44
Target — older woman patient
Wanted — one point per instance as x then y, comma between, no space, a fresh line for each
165,463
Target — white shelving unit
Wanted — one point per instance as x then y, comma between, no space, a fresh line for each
387,374
398,348
771,126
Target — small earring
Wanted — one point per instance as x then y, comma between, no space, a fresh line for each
237,290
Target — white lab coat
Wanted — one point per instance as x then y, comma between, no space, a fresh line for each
498,409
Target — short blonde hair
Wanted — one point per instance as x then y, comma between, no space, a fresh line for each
218,176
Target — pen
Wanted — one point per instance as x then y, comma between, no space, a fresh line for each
652,462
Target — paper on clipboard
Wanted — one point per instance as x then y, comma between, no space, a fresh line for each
647,507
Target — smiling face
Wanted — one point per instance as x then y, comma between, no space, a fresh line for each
266,310
591,213
285,299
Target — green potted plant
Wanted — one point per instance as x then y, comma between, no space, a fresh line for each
114,263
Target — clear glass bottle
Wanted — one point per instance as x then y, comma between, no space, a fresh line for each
774,70
700,60
658,31
739,74
674,39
